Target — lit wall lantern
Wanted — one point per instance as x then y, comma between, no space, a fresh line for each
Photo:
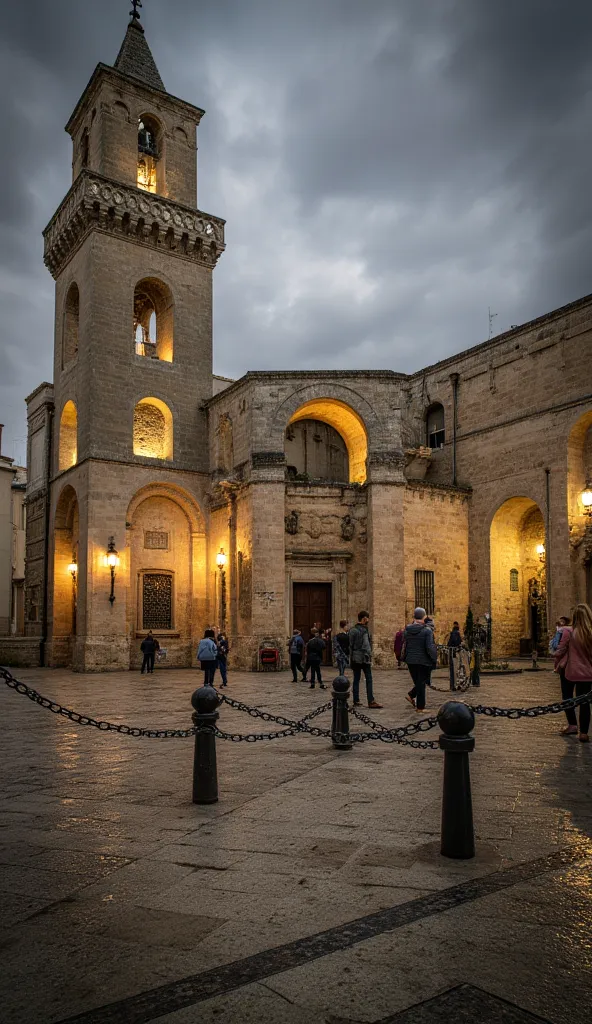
73,570
540,550
112,561
221,561
587,502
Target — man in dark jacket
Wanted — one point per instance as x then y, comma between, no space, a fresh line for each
296,650
314,655
454,642
148,648
421,655
360,656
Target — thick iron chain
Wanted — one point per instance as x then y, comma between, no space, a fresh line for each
400,734
533,712
74,716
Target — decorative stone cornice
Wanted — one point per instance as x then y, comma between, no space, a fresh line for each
98,203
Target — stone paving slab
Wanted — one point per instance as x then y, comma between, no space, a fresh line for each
119,884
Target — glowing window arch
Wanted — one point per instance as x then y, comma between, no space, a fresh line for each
153,429
68,443
346,422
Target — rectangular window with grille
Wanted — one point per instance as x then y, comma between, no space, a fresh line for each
157,601
424,590
513,579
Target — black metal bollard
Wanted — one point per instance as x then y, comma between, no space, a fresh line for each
205,775
457,838
340,722
476,673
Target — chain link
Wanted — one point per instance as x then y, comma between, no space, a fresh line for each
534,712
400,734
74,716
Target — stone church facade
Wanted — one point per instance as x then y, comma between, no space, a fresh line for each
162,497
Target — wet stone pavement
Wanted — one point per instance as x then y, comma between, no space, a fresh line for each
313,891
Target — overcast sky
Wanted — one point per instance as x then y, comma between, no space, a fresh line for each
388,170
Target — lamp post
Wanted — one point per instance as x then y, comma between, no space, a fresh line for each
586,497
73,570
221,561
112,561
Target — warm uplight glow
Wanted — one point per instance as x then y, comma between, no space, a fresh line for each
73,568
346,422
147,174
221,559
540,549
587,499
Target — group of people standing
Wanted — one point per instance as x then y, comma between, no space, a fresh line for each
212,654
350,647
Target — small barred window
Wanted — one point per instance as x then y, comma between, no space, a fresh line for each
513,579
157,601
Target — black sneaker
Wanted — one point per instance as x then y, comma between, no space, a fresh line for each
357,703
311,687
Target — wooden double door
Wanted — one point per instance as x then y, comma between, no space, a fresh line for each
312,603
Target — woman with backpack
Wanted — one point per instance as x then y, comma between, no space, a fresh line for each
573,662
207,653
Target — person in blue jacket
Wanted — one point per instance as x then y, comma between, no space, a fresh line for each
207,653
296,650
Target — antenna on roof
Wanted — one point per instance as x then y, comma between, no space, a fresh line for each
491,316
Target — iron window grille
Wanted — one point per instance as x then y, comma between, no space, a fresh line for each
513,579
424,590
157,600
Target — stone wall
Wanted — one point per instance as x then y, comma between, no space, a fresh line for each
19,652
437,540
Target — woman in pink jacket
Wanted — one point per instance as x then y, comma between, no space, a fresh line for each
574,662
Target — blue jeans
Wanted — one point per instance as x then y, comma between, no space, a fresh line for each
221,664
341,659
367,670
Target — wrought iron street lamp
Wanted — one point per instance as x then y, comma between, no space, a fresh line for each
221,561
112,561
587,502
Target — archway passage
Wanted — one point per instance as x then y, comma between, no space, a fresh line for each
347,424
65,573
153,320
518,578
153,429
316,451
68,444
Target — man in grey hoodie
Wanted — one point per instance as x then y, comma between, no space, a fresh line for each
421,655
360,654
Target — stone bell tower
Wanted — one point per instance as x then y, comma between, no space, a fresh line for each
132,258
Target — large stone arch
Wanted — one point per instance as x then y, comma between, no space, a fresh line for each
166,545
340,407
518,576
66,536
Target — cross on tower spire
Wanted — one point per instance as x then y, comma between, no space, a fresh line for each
135,14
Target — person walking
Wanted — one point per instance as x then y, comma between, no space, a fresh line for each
560,625
341,647
573,661
148,647
314,656
360,655
398,648
207,653
421,655
454,642
222,657
296,650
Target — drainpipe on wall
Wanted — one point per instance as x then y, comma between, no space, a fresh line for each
548,543
45,618
454,377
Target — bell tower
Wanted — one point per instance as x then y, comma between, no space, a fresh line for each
132,257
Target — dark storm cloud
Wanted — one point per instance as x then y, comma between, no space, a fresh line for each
388,169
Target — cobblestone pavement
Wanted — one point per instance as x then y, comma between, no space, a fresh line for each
313,891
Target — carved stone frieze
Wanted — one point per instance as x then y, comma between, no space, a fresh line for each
96,202
348,527
291,521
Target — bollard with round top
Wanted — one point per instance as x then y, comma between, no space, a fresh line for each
456,721
340,721
205,774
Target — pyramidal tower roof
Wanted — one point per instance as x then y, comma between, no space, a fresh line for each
135,57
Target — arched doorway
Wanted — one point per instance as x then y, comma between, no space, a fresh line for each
167,593
65,577
518,578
